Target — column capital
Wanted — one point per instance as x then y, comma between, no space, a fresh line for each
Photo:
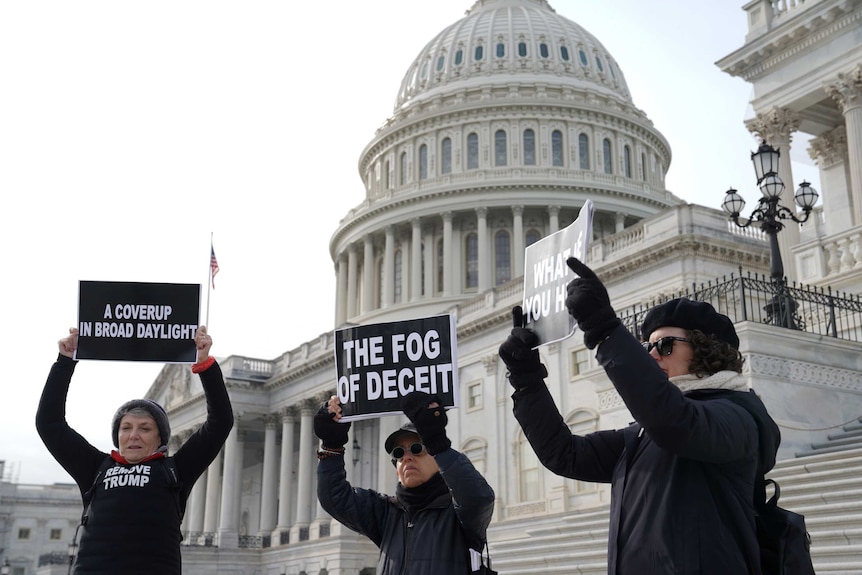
829,148
776,125
482,211
847,89
554,210
518,210
271,421
447,216
309,406
289,414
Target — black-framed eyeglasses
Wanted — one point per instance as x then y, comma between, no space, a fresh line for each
399,452
664,345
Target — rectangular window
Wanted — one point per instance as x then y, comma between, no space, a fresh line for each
56,534
580,362
24,533
474,396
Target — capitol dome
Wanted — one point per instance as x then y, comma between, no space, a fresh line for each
501,38
506,122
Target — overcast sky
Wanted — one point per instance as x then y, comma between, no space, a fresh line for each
129,131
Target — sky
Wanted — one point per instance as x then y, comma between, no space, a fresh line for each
133,134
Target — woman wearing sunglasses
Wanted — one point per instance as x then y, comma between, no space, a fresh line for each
682,476
442,505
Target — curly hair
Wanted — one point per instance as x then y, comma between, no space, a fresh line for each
711,355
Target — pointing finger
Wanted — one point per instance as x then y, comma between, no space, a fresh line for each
581,269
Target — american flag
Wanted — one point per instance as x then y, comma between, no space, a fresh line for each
213,265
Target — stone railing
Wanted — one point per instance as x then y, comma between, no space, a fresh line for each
764,15
831,256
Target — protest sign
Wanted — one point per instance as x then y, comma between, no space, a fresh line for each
379,364
132,321
546,276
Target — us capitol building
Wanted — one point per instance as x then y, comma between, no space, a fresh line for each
505,123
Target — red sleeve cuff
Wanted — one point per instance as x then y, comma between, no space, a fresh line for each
204,365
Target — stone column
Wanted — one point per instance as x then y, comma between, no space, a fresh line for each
518,240
269,481
341,291
447,254
416,260
829,151
482,235
553,219
368,274
197,505
619,222
428,261
776,127
388,286
228,535
285,482
352,281
306,500
211,513
847,91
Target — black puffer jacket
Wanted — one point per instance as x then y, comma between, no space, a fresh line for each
682,478
134,522
438,540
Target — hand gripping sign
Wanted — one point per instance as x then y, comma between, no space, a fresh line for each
379,364
546,276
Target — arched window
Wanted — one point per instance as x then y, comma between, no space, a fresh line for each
502,257
584,152
459,57
440,264
446,156
440,61
500,148
627,161
471,261
501,49
402,177
399,269
606,156
643,166
423,162
532,236
473,151
522,49
583,56
557,148
479,53
543,50
564,53
599,64
529,148
529,477
386,175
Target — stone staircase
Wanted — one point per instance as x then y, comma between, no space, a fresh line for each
824,485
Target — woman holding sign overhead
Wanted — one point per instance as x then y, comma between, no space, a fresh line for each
442,505
134,498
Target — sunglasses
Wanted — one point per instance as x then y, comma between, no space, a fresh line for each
399,452
663,345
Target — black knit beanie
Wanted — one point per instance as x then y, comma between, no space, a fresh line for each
688,314
154,409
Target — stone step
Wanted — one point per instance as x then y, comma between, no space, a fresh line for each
838,442
820,460
828,537
854,426
819,484
857,432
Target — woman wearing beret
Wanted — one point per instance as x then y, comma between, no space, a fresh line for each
683,475
134,498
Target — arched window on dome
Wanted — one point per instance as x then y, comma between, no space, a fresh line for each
529,147
386,182
500,148
557,148
471,261
459,57
532,236
522,49
473,151
423,162
583,56
643,166
440,260
564,53
446,156
543,50
627,161
441,60
611,68
398,264
402,176
599,64
479,53
501,50
606,156
584,152
502,257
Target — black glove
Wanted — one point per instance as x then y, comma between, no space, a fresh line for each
522,361
430,422
588,302
331,433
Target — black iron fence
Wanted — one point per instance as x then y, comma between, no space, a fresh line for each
757,298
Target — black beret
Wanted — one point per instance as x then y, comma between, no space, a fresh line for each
389,445
691,315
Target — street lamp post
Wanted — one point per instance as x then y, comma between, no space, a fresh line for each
5,568
781,310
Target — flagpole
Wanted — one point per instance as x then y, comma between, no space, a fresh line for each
210,280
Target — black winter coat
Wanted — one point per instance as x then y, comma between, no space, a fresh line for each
134,521
682,477
438,540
